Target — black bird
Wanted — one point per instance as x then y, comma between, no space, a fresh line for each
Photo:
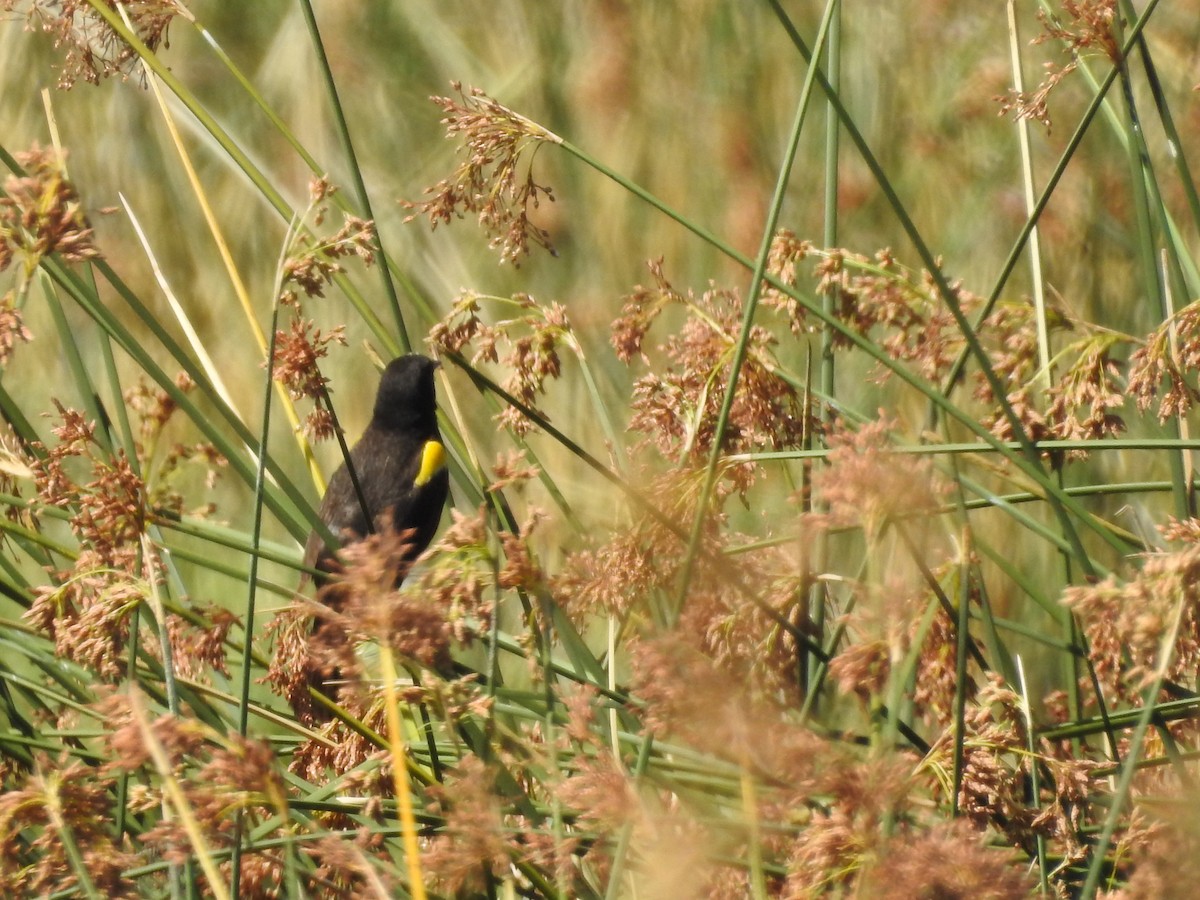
399,463
400,466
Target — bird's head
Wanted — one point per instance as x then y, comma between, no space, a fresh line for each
406,396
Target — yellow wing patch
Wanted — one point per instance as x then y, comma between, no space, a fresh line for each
433,460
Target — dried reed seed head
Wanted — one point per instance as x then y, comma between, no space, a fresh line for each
463,571
863,485
862,669
41,214
131,736
615,578
1127,621
365,604
1169,353
319,190
905,315
461,326
1088,25
475,838
495,179
752,628
12,325
948,861
526,345
603,795
199,650
448,602
785,253
677,408
511,470
298,354
220,778
843,837
313,262
92,49
108,513
67,805
87,610
1181,530
937,682
154,406
640,309
687,696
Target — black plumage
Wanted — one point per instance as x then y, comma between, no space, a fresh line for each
402,475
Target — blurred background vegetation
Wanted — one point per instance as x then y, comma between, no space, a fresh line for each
691,101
